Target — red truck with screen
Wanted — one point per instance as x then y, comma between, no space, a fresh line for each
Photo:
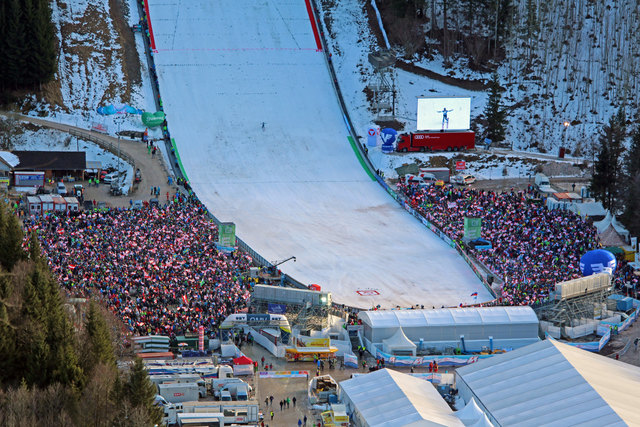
436,141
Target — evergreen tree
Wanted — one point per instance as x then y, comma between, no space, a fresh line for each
631,214
10,239
100,344
29,18
35,251
495,112
3,43
15,45
632,159
607,176
63,362
7,330
141,392
44,47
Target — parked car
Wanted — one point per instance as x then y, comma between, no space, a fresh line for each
464,179
154,202
111,177
87,205
137,204
61,189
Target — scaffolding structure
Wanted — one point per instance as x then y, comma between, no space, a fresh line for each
569,311
383,84
304,309
576,299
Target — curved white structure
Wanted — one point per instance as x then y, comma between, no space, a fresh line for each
293,186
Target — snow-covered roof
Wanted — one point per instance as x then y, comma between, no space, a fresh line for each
448,316
554,383
9,158
399,341
390,398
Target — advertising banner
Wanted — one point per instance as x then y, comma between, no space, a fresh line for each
453,360
313,342
227,234
472,228
372,137
284,374
350,360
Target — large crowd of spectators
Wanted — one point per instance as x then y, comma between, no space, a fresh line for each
157,268
533,247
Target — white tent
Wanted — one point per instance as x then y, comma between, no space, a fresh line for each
470,414
399,344
610,220
482,422
511,327
387,398
551,383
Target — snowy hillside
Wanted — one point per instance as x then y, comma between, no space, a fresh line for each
577,63
98,64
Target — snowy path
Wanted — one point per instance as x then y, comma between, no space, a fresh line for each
294,187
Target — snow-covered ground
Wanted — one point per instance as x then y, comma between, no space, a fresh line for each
294,187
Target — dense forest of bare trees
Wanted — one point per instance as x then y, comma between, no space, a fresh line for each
559,60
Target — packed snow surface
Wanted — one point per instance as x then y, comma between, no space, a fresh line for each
293,186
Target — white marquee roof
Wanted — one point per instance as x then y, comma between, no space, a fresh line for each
399,341
448,316
387,398
551,383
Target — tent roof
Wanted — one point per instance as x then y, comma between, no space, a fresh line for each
588,208
471,413
242,360
610,237
482,422
551,382
448,317
399,341
388,398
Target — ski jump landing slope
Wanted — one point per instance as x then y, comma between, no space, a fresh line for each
294,187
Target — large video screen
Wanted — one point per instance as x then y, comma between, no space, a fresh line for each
437,114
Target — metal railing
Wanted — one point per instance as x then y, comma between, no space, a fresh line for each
104,144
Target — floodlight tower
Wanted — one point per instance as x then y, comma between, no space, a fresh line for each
383,83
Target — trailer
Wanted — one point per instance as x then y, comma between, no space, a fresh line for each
436,141
28,179
233,412
47,203
34,205
177,393
181,379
